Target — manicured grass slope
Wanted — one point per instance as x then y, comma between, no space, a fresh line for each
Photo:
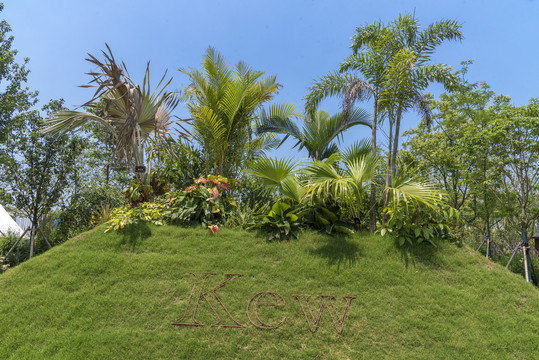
114,296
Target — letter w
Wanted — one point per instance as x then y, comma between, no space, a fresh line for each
326,301
196,296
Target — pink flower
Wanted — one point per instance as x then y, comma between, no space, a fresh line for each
201,180
215,193
213,228
223,186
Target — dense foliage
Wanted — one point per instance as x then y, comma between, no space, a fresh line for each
469,171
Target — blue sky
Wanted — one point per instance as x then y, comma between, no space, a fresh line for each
297,40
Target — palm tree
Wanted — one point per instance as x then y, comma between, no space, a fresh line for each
134,117
394,61
318,132
226,105
344,177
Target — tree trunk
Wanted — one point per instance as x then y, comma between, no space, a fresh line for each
373,186
388,171
389,166
32,240
395,144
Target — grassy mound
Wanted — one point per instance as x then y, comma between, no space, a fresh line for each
114,296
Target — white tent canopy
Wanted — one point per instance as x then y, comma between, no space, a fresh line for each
7,224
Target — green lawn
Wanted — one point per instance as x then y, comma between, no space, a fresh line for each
114,296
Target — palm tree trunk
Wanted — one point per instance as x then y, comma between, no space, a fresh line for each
396,144
389,166
372,214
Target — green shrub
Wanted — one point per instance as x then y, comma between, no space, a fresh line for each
329,220
140,191
282,221
21,252
412,222
180,169
205,202
153,212
82,212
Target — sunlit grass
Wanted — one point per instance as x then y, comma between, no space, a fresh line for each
115,295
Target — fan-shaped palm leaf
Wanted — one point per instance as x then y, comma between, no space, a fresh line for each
134,116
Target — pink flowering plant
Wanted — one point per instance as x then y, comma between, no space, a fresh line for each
204,202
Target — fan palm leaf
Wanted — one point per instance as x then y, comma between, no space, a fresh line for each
135,117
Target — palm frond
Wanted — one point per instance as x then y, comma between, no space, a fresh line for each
357,150
407,187
271,171
328,85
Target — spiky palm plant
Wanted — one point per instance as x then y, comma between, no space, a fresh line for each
135,117
318,132
226,104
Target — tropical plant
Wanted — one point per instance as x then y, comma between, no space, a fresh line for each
134,117
414,222
418,210
281,222
340,179
328,220
180,170
153,212
140,191
394,61
318,132
204,202
226,104
335,183
277,176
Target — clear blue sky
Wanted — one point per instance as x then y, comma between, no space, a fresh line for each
297,40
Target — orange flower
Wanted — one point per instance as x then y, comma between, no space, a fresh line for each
213,228
192,187
215,193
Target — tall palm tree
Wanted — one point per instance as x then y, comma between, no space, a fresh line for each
394,63
226,105
318,132
134,117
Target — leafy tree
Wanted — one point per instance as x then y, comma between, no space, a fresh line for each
454,150
517,128
39,169
15,97
226,103
318,132
483,151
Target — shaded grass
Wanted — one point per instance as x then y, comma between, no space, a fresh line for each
115,295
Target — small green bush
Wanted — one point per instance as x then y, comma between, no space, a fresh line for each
153,212
329,220
412,222
282,221
205,202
